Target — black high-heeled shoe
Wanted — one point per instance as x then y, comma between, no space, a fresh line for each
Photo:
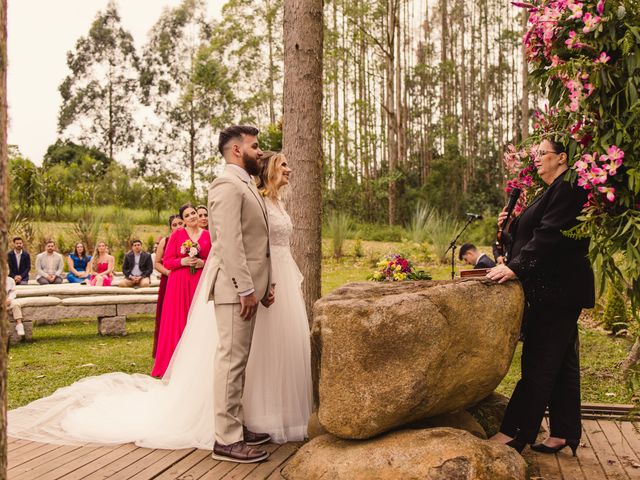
517,444
542,448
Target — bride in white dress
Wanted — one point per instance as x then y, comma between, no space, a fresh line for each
177,411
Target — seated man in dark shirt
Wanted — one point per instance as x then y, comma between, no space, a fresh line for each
470,254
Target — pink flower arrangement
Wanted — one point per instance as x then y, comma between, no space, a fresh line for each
594,170
603,58
591,22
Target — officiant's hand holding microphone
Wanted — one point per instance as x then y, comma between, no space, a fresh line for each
501,273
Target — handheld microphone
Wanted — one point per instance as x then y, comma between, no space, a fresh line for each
474,216
513,199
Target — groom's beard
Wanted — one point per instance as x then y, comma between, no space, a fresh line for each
251,164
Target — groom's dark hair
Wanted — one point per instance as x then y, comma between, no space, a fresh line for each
234,131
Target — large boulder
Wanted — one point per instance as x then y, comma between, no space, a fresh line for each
434,454
489,412
388,354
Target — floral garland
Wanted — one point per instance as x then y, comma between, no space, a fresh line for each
585,55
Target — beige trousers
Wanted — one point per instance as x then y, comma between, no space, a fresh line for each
232,354
16,310
125,282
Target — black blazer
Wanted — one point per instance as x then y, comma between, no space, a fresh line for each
146,265
485,262
553,268
25,265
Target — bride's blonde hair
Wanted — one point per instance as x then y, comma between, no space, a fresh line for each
270,162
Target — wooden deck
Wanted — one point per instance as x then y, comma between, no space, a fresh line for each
40,461
610,450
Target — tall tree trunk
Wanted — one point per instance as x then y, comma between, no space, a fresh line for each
270,78
392,125
4,218
525,89
302,136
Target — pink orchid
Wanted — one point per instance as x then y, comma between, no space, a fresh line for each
589,158
590,22
580,166
597,175
600,7
615,153
576,10
584,183
603,58
573,41
610,192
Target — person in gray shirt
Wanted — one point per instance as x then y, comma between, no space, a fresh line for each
49,265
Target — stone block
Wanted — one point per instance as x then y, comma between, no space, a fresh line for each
116,325
136,308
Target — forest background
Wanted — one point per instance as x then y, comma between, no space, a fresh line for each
420,99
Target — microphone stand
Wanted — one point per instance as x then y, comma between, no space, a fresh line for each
453,245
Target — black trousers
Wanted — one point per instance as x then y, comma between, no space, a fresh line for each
550,377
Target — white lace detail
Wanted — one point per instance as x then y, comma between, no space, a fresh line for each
280,225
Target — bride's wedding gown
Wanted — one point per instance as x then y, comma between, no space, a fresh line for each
177,411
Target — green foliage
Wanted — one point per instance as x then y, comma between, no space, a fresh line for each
595,108
271,137
339,227
441,229
86,230
123,230
358,252
614,315
151,243
98,97
417,229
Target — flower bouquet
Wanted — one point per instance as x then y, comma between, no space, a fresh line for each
396,268
191,249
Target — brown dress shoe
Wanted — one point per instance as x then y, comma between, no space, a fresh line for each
252,438
238,452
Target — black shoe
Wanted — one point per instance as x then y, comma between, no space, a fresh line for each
517,444
542,448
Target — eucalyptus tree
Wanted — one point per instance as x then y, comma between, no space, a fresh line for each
100,95
185,86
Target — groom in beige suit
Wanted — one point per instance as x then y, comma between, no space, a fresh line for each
240,243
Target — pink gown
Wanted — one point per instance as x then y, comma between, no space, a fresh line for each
101,267
181,285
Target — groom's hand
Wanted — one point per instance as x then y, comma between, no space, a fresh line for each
270,298
248,306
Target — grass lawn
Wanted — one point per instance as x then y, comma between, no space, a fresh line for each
63,353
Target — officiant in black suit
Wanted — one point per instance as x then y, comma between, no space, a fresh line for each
19,262
558,283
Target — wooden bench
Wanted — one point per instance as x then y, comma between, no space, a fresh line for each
111,309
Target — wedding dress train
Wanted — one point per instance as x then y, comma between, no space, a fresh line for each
177,411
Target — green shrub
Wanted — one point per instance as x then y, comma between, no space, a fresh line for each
614,316
339,228
441,228
151,243
417,228
358,251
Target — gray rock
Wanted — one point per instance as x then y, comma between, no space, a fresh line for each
112,325
393,353
433,454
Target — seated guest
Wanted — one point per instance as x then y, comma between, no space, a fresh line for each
137,267
102,265
13,306
471,256
78,263
19,262
49,265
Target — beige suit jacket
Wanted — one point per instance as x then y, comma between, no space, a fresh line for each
239,231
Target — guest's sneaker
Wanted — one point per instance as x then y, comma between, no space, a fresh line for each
252,438
238,452
20,329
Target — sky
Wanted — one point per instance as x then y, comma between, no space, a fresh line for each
41,32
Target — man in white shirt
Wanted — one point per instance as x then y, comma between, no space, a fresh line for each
49,265
14,307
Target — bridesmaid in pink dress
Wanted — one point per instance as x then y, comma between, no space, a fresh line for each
102,265
175,222
181,285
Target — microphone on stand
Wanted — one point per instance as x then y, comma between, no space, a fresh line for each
474,216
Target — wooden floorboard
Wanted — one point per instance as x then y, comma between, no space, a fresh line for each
609,450
606,456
